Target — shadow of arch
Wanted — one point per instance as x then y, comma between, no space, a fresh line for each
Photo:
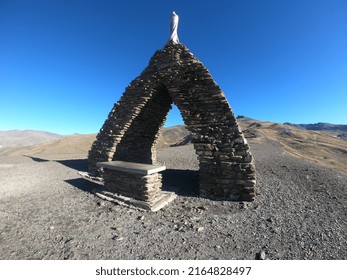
182,182
77,164
85,185
36,159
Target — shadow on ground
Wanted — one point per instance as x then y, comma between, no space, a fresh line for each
85,185
182,182
77,164
37,159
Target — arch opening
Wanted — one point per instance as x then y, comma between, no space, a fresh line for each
139,141
139,144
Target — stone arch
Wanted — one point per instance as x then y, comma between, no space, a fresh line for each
175,76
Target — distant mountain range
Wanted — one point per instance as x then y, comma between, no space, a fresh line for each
321,143
18,138
338,130
170,136
320,126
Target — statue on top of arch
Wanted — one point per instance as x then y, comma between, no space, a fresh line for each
173,28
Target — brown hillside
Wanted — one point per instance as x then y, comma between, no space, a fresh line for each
320,147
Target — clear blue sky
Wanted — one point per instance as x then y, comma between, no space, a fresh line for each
64,63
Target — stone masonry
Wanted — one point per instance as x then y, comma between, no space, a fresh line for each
175,76
145,188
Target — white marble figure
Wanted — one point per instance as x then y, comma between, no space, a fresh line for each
173,27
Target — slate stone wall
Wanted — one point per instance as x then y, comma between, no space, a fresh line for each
140,187
175,76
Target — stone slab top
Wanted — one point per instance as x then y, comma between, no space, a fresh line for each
131,167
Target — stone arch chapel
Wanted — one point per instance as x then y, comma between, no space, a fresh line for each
130,133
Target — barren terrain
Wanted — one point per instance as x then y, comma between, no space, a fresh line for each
17,138
47,211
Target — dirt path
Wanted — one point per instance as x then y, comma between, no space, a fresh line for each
47,212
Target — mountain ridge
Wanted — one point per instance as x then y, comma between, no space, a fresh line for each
27,137
320,126
170,136
322,147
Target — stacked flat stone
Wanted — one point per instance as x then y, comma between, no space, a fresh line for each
175,76
144,188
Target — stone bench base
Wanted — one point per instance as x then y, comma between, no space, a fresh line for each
135,184
163,199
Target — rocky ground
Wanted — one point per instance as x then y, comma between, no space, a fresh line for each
48,212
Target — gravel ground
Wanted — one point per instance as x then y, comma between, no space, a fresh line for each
48,212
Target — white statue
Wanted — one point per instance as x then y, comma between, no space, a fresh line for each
173,28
